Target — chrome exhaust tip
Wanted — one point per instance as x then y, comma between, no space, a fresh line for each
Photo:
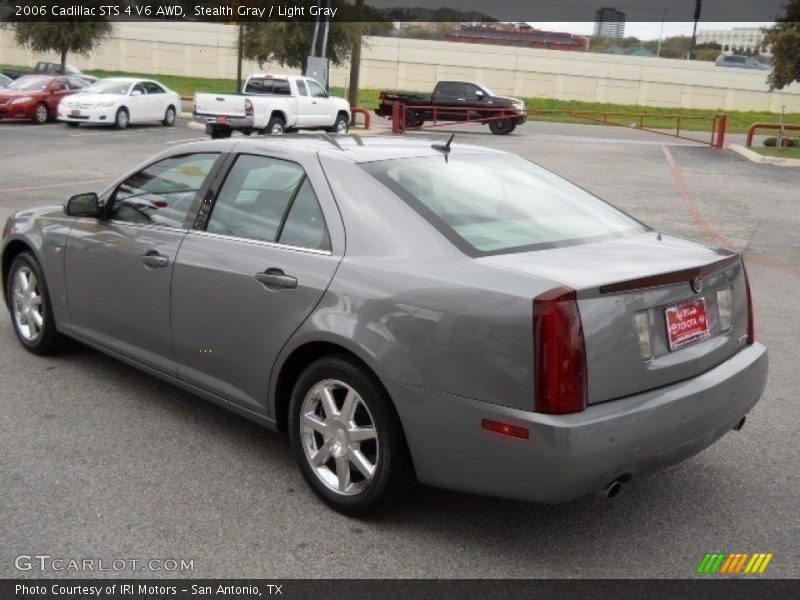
612,489
740,424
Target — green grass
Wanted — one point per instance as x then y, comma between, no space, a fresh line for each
738,121
782,153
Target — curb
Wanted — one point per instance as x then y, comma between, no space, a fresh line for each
764,160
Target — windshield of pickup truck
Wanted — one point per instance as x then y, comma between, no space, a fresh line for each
488,204
108,87
489,91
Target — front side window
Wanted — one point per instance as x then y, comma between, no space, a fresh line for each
271,200
138,88
164,192
316,89
489,204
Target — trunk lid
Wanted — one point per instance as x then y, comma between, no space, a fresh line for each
648,273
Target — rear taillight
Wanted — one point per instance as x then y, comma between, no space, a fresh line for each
559,353
751,330
248,107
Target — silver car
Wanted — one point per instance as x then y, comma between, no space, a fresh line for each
405,310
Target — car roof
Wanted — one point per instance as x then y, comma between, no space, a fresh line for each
353,147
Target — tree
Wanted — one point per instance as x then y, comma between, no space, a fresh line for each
784,40
289,42
79,37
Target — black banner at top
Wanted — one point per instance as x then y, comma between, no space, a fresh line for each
231,11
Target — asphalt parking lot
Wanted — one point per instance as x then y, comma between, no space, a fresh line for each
98,460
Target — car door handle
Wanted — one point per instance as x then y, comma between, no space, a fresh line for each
276,279
154,260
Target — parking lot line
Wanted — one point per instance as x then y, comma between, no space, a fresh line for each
50,186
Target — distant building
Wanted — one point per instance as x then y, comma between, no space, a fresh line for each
518,34
609,22
733,40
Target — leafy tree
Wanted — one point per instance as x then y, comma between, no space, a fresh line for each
289,42
79,37
784,39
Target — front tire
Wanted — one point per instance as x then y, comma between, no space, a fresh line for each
28,299
41,114
502,126
341,125
122,119
347,438
169,117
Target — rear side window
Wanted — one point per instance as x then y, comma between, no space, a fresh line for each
164,192
270,200
487,204
279,87
301,87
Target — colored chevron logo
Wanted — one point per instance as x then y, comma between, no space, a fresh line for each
735,562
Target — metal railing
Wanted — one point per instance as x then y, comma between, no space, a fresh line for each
751,131
408,117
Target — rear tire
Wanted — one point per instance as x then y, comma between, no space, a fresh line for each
502,126
41,114
169,117
31,311
364,466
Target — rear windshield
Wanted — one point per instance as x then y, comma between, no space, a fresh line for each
496,204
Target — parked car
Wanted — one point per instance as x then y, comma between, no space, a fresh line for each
487,327
120,102
465,100
272,104
37,97
48,68
5,81
742,62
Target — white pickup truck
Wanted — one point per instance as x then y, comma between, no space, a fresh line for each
272,104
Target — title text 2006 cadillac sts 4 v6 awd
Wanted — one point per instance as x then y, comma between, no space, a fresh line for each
405,310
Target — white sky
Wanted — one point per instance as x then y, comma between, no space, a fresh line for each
644,30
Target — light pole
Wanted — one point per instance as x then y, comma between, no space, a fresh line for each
698,6
661,33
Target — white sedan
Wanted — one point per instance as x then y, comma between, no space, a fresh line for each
120,102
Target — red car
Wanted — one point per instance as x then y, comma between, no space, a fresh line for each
36,97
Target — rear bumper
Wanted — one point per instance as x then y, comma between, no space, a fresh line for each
235,123
569,456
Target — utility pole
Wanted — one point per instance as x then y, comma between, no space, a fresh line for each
239,59
355,58
661,33
698,7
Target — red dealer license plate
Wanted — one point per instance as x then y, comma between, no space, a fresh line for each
222,120
686,323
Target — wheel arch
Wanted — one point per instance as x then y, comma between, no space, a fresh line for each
278,113
13,249
296,360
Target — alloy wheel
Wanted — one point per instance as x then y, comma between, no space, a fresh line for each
339,437
41,114
27,302
341,126
277,128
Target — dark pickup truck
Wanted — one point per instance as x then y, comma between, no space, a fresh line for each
47,68
457,101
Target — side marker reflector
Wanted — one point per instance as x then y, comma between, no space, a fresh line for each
505,429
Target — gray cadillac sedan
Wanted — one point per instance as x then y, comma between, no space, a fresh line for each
405,310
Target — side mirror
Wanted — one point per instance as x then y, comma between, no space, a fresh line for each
83,205
136,93
479,93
